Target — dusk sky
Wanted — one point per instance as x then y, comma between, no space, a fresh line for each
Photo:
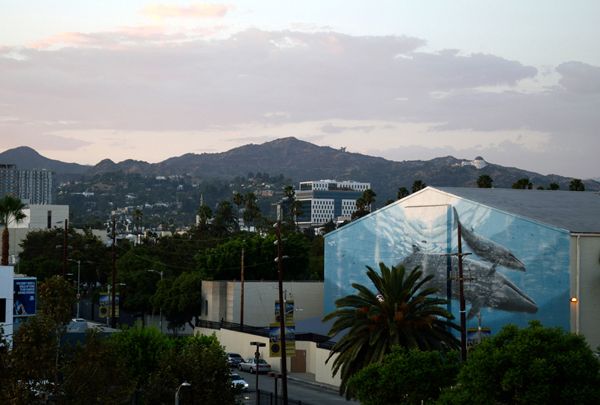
517,82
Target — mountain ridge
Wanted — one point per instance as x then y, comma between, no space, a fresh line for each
302,160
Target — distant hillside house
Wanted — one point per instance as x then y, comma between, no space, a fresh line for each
327,200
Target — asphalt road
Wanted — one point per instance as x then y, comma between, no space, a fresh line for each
297,391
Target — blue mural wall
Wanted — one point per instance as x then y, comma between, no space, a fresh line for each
518,270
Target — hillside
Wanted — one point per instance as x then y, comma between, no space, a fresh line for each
300,160
27,158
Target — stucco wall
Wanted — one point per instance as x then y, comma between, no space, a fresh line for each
585,285
259,300
239,342
6,292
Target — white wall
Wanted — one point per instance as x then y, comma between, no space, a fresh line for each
6,291
585,266
224,300
239,342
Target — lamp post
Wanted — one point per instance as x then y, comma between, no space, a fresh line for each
159,308
257,358
78,282
183,384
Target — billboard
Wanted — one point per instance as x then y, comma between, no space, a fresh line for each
24,296
517,269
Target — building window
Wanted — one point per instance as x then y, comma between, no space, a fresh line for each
206,307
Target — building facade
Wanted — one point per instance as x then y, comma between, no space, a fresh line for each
33,186
533,255
327,200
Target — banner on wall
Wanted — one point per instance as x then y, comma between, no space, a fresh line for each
275,340
289,311
24,296
105,305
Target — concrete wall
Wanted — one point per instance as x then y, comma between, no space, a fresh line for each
239,342
224,297
585,285
6,292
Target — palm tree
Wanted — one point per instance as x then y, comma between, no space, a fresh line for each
11,209
418,185
399,312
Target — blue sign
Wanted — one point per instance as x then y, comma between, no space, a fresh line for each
24,296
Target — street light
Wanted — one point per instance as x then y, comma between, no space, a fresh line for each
257,357
159,308
183,384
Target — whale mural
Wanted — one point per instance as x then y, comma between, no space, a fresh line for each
517,269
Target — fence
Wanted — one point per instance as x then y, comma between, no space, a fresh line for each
268,398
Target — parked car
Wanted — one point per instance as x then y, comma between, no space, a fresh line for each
238,382
250,365
234,359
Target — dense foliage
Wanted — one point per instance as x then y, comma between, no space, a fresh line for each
534,365
138,365
400,312
405,377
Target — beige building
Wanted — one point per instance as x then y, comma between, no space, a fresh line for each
221,300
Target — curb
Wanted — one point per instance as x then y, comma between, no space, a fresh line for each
314,384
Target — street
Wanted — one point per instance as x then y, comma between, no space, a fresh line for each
297,391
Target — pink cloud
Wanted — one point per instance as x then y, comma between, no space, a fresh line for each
197,10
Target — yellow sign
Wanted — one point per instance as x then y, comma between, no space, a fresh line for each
105,305
275,341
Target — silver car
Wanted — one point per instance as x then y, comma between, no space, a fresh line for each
238,382
250,365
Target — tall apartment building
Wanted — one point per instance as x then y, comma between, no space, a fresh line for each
328,200
33,186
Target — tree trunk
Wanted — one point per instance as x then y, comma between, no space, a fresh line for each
5,246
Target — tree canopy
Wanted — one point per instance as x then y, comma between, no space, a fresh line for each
399,312
533,365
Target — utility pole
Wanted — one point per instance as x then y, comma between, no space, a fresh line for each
279,259
242,291
64,270
113,319
461,292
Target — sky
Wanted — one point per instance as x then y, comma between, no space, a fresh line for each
517,82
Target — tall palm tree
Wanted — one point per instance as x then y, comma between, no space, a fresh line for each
399,312
11,209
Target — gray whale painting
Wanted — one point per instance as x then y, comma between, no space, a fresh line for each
517,270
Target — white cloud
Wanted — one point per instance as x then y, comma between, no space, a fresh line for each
312,85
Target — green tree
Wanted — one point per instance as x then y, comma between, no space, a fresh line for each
402,192
180,299
11,210
199,360
534,365
423,375
205,214
399,312
484,181
361,209
576,185
553,186
522,184
96,373
251,209
418,185
225,221
41,258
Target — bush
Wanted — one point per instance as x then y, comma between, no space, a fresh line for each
535,365
405,377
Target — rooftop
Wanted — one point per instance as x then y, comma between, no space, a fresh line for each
575,211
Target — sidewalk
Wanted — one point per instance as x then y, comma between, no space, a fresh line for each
309,378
